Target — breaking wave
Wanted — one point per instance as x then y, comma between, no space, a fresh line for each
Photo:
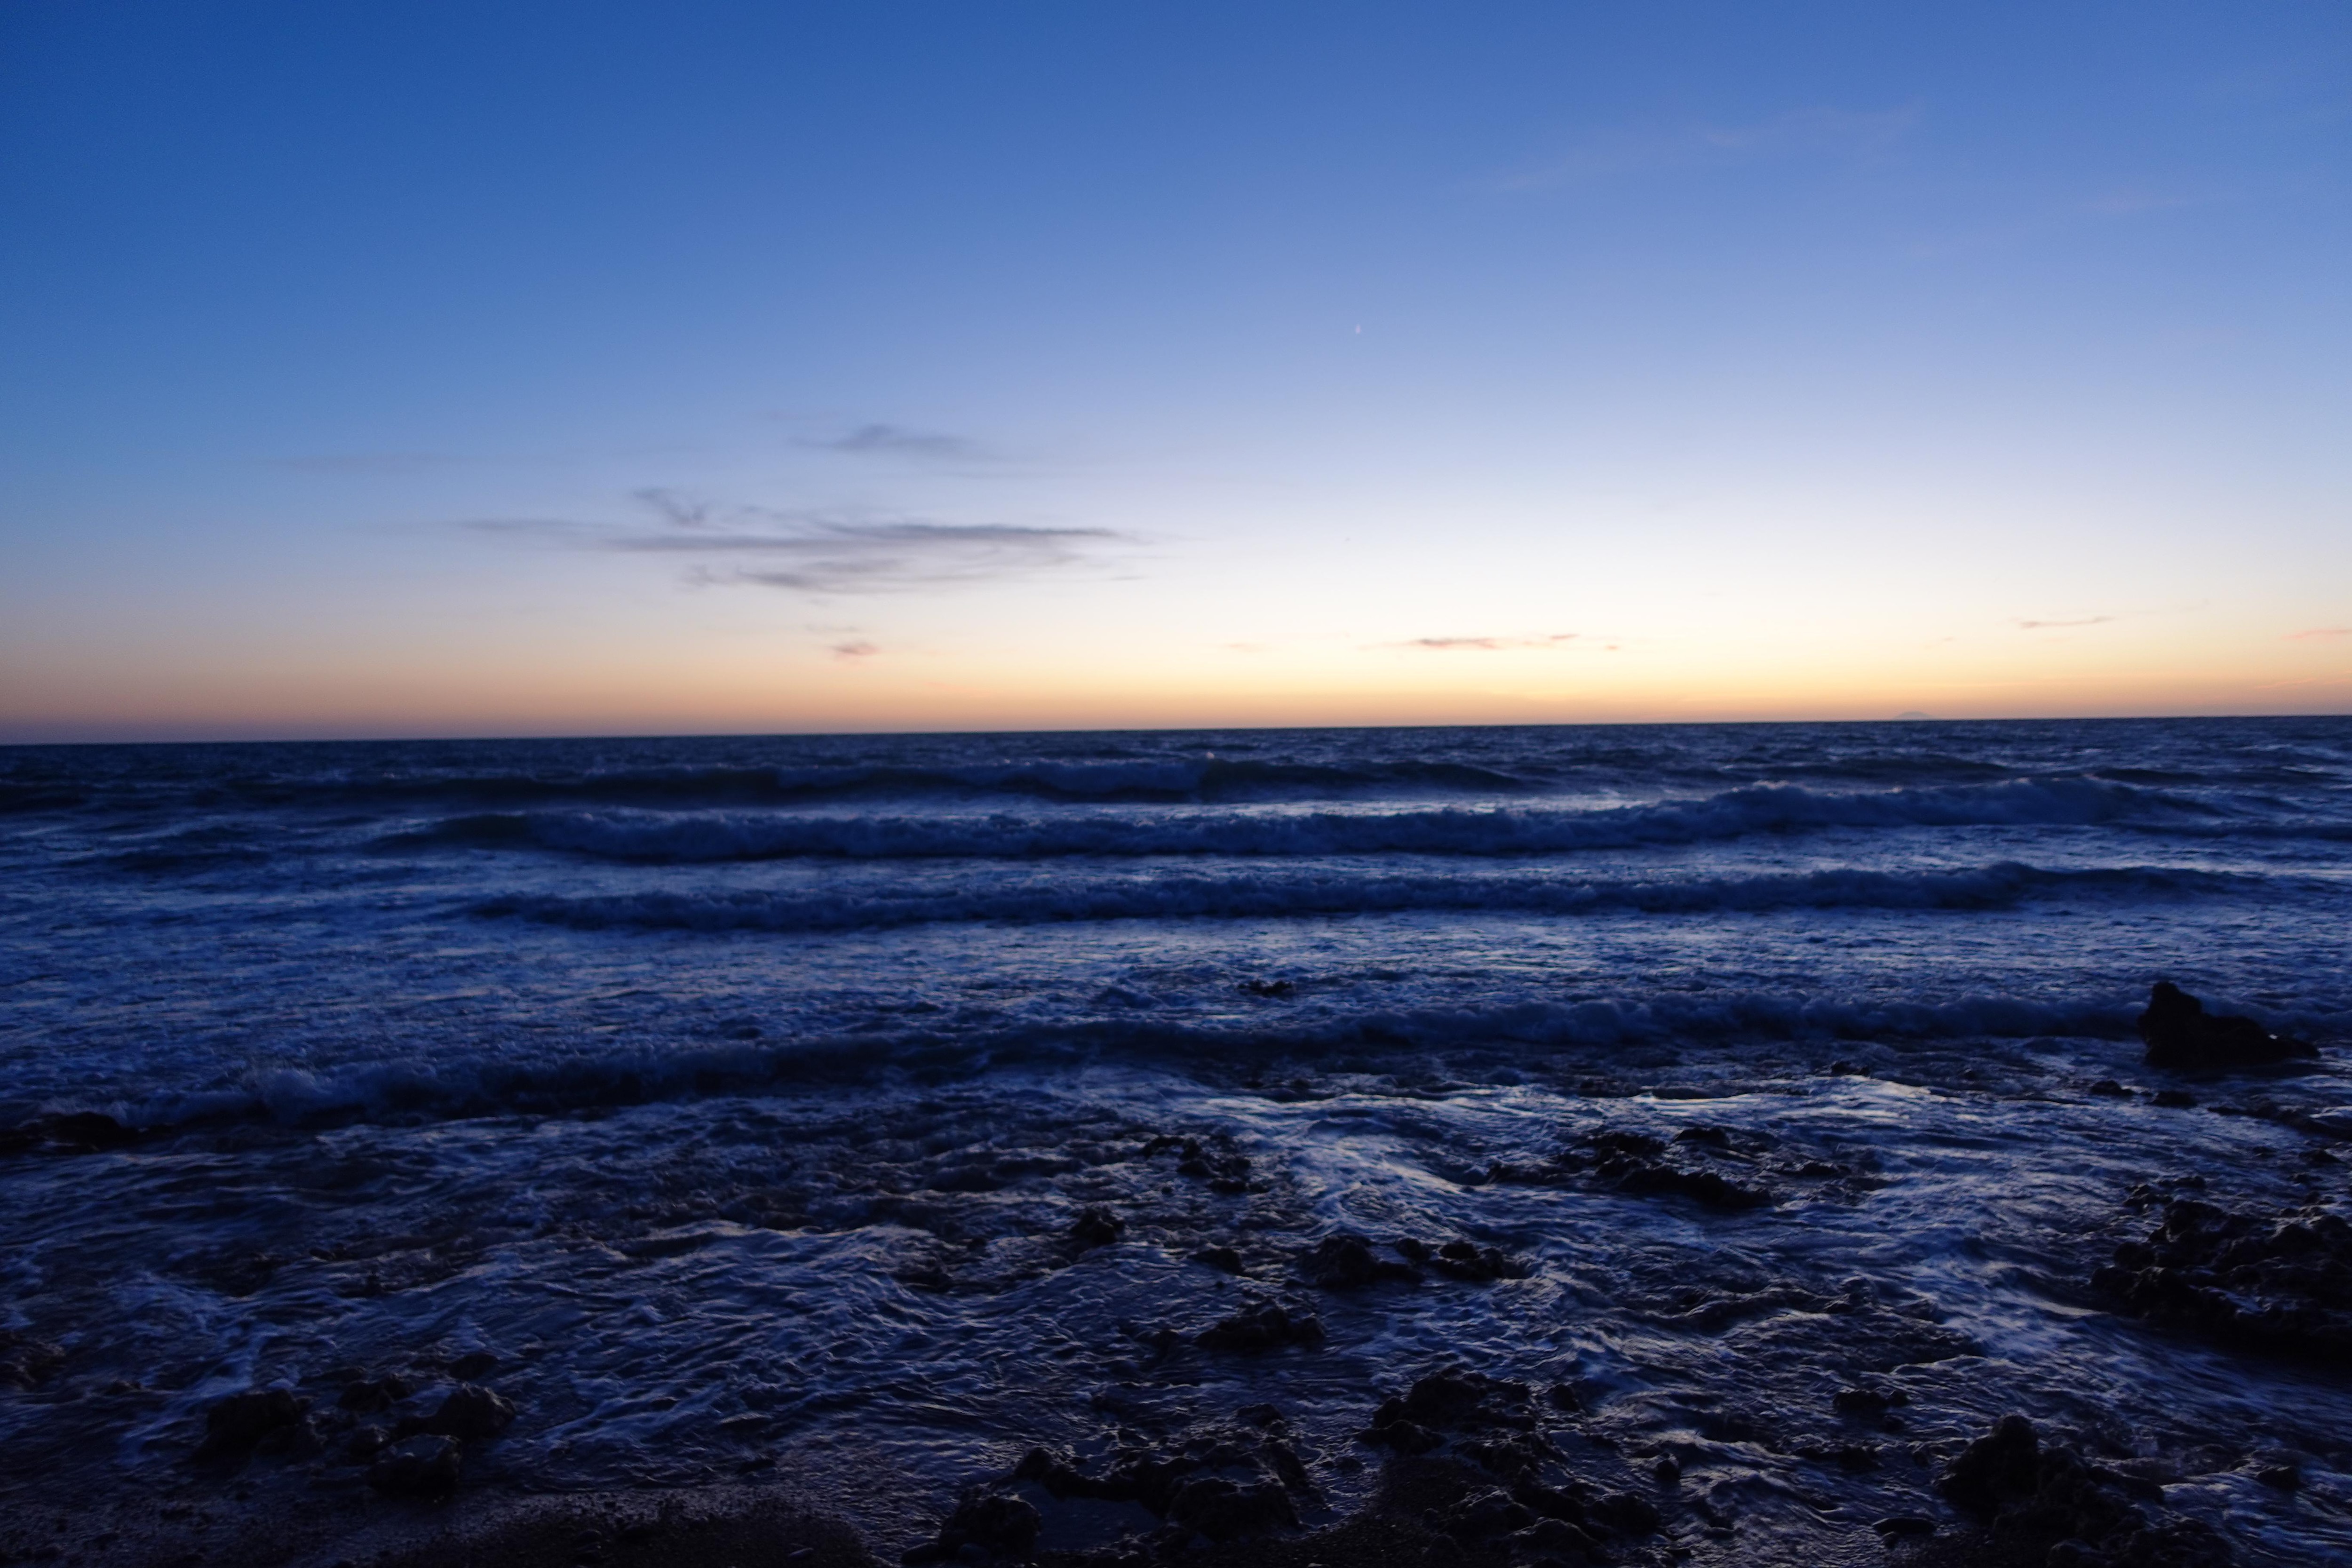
1197,895
677,838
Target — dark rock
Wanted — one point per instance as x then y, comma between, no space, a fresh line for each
2175,1099
1261,1327
1096,1227
1711,1188
2043,1503
1481,1515
1346,1262
25,1361
1627,1512
1868,1402
424,1466
2181,1035
1480,1265
1619,1144
1999,1465
1669,1470
367,1396
367,1440
1221,1509
471,1412
1224,1259
242,1420
1904,1524
1272,988
998,1525
2108,1089
2279,1283
1450,1401
1559,1538
2285,1477
473,1364
87,1132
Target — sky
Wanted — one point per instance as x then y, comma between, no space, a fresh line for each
503,368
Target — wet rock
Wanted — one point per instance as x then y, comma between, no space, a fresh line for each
87,1132
1262,1326
1869,1404
424,1466
1711,1188
2044,1502
1346,1262
2181,1035
473,1364
238,1424
1096,1227
1212,1161
2175,1099
1222,1258
470,1412
1481,1514
1221,1509
24,1361
998,1525
2285,1477
368,1397
2280,1283
1270,988
1450,1400
1559,1538
2108,1089
1479,1265
1643,1165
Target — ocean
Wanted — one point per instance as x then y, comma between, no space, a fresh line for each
856,1115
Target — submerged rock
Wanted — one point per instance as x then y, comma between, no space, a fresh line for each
2181,1034
1261,1327
1465,1261
1096,1227
1346,1262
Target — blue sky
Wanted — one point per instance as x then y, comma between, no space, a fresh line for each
509,368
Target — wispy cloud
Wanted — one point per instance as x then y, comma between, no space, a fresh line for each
1482,645
2315,633
854,651
898,441
2053,626
1802,132
815,550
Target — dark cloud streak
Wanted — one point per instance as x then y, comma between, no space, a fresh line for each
897,441
822,553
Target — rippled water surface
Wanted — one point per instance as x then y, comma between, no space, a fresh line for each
732,1101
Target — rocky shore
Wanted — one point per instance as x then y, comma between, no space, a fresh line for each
1655,1322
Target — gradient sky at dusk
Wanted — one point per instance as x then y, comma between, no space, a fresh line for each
507,368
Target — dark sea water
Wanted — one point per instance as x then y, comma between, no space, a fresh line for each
736,1098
